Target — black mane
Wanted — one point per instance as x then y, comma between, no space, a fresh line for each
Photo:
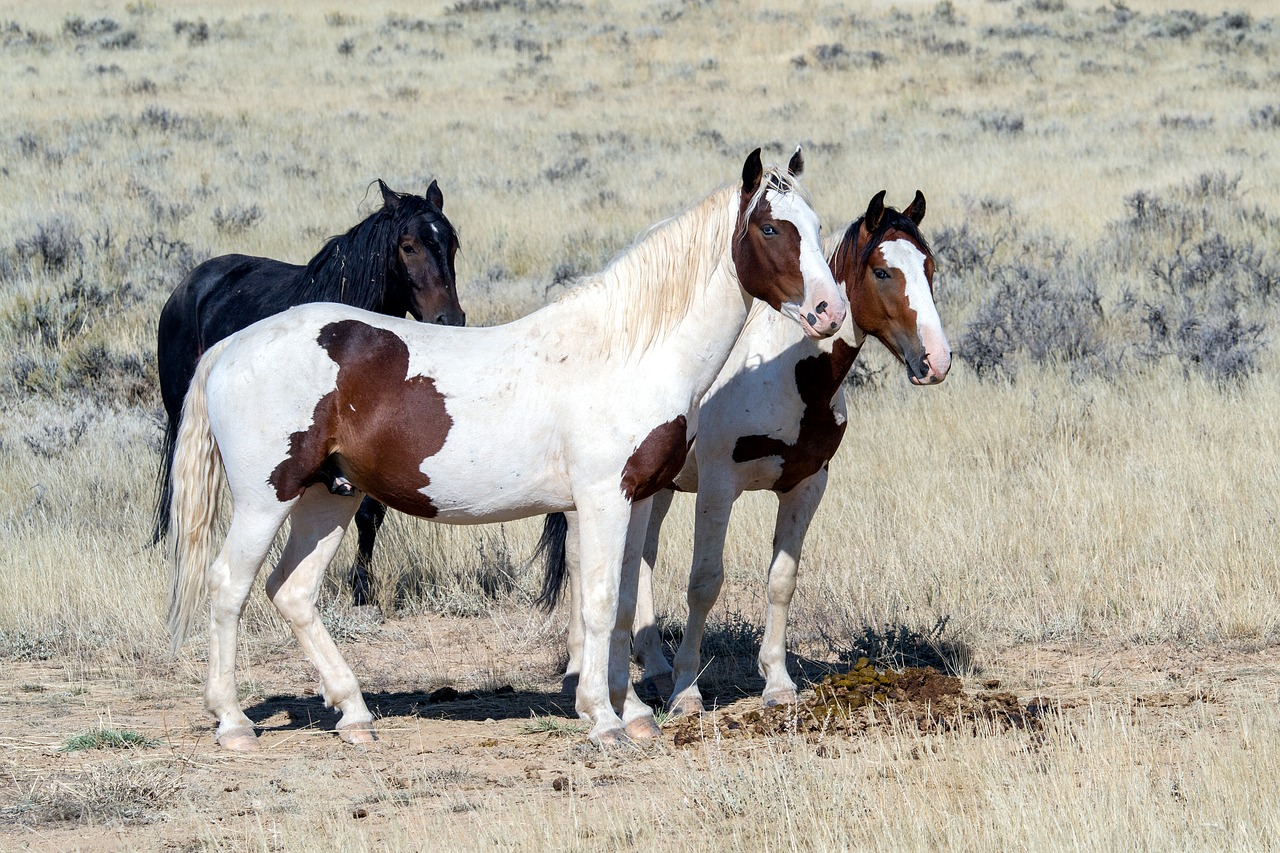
354,268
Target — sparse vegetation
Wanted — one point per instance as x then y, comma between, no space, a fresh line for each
107,738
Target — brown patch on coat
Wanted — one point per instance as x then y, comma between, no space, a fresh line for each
656,462
768,267
376,426
818,379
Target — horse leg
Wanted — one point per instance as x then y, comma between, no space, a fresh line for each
796,509
715,503
573,669
647,649
637,717
228,581
603,521
317,524
368,520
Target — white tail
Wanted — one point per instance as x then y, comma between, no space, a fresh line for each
196,489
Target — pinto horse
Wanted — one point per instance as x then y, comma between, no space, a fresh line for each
399,259
772,420
587,404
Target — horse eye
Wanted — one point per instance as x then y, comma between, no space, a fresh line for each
881,274
768,230
407,248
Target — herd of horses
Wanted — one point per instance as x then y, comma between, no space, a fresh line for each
313,396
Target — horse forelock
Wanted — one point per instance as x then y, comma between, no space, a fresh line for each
892,220
356,268
778,180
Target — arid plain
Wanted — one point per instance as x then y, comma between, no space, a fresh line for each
1083,515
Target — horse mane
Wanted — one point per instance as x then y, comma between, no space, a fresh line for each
651,286
892,220
353,268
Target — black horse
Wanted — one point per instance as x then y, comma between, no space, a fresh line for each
400,259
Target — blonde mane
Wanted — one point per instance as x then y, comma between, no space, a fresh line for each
651,286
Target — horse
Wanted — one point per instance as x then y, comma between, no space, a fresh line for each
587,404
398,259
773,419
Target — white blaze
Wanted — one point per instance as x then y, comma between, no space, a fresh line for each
906,256
819,286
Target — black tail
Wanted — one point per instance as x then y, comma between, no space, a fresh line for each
551,547
164,483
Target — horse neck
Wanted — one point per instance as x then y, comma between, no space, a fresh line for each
841,251
674,297
356,269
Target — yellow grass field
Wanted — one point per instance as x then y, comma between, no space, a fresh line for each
1084,514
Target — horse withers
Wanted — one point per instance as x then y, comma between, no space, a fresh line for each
398,260
772,420
586,404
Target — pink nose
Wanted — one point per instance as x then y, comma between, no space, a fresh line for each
938,367
825,318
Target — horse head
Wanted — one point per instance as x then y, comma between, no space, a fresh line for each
777,249
426,245
887,270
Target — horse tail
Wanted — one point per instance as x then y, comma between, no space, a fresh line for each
551,548
164,483
195,487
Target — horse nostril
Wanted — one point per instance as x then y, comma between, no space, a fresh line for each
821,307
813,320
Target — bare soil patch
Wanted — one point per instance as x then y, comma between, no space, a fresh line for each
464,726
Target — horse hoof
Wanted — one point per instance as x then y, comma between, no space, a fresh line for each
610,737
239,740
643,728
683,707
359,734
778,697
660,686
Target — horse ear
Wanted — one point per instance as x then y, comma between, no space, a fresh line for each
751,172
875,210
435,196
390,198
916,211
796,165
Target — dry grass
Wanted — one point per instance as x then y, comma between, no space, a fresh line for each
1118,499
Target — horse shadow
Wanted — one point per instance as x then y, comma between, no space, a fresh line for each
729,675
288,712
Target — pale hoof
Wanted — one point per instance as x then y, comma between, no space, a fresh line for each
239,740
610,737
658,685
685,706
359,734
643,728
778,697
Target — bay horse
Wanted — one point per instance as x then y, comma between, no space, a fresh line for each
588,403
398,259
773,419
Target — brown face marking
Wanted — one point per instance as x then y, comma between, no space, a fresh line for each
817,379
657,461
766,255
376,426
879,306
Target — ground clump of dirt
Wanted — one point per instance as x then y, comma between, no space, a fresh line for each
865,698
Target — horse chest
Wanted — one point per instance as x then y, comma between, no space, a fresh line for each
815,420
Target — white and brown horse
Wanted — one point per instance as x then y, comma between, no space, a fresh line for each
586,404
772,420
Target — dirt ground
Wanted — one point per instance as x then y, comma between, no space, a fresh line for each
480,723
